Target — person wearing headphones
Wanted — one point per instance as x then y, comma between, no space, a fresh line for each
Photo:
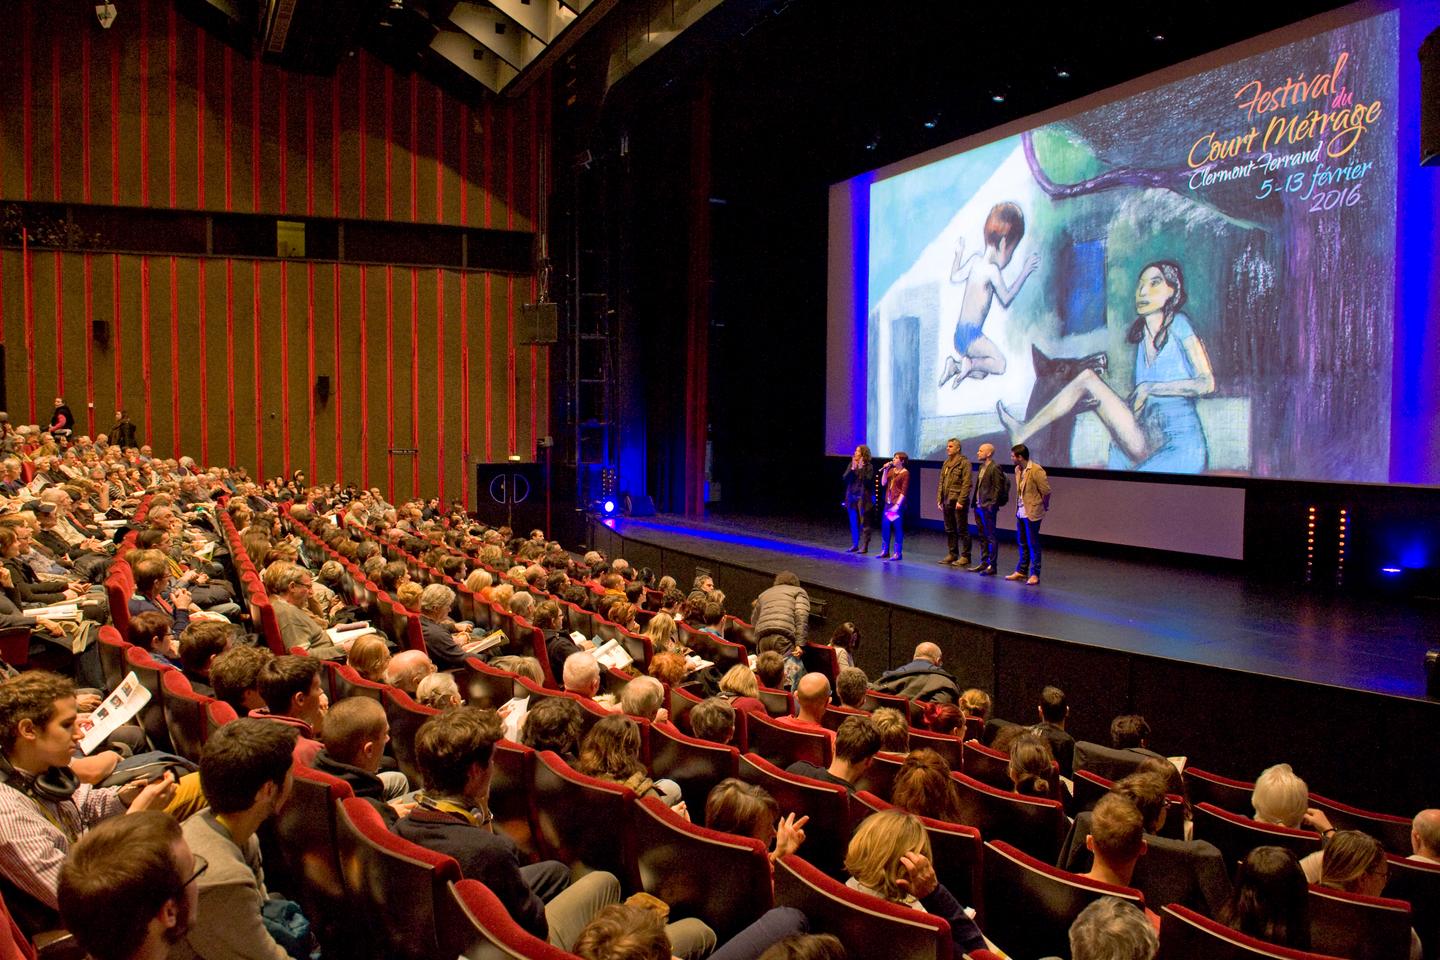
44,808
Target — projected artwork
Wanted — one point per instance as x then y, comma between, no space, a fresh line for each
1194,280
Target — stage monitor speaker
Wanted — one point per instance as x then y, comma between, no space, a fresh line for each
637,506
100,333
322,389
1430,99
539,323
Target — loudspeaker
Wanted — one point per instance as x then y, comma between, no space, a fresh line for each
637,506
100,333
539,323
322,389
1430,99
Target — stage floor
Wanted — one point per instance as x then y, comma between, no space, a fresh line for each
1219,619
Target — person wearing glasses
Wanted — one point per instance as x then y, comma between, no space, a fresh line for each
289,586
245,772
128,889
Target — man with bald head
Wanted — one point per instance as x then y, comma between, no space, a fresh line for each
407,668
991,489
812,695
921,679
1425,837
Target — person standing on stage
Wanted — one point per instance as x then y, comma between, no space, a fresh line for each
990,493
1032,489
895,478
953,498
860,498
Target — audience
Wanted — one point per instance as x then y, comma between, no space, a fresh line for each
923,787
1271,900
783,608
611,751
554,724
713,720
850,686
355,735
921,679
201,643
1282,798
290,688
369,656
812,696
856,743
741,686
407,668
1112,929
894,731
1117,839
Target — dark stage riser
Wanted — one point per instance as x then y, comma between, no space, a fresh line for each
1360,747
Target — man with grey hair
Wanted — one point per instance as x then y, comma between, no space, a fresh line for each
1425,837
642,698
523,605
289,585
445,646
1112,929
581,677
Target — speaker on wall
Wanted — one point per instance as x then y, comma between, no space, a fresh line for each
322,389
1430,99
539,323
100,333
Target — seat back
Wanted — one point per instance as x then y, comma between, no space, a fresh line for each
1392,832
217,714
729,893
512,771
112,656
305,828
784,745
1419,884
680,702
696,765
826,804
1033,825
874,701
821,658
485,686
1187,935
117,595
987,765
1191,873
858,918
184,714
406,717
345,683
1358,927
152,715
1106,761
590,839
475,925
947,745
269,625
1029,905
391,883
1223,792
778,703
879,779
834,716
1236,836
1090,787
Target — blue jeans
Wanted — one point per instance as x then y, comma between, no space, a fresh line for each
989,541
897,526
858,524
1027,539
775,925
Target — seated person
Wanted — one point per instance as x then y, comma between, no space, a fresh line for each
1112,929
447,647
923,787
554,724
438,691
894,731
747,810
856,742
245,773
769,670
624,931
235,675
713,720
369,656
355,734
1271,900
812,696
611,751
1354,862
642,697
793,668
152,584
1282,798
453,751
1031,767
288,585
152,632
582,678
1117,840
889,858
670,669
290,687
921,679
407,668
851,685
200,644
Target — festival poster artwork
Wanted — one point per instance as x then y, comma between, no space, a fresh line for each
1194,280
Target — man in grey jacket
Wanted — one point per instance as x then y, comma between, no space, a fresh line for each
783,608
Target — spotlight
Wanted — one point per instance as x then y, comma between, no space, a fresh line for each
932,121
1391,571
997,97
872,145
1158,37
608,507
1062,73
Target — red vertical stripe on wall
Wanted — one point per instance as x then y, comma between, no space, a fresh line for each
171,69
439,156
229,326
200,135
336,394
487,172
115,338
488,376
285,354
487,183
439,384
56,165
27,294
465,311
174,359
310,172
534,182
145,346
284,112
255,345
85,120
229,70
145,130
415,378
27,120
510,391
364,383
389,343
200,310
59,328
310,365
89,345
464,164
115,115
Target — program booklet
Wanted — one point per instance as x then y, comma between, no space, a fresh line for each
113,711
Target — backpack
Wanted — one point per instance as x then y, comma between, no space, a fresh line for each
1004,496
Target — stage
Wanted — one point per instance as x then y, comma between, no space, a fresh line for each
1180,613
1118,634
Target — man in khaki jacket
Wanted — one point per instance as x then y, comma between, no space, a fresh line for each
1033,499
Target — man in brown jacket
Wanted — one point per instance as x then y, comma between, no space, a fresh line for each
953,498
1033,499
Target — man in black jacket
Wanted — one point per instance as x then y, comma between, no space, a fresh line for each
991,489
953,498
355,733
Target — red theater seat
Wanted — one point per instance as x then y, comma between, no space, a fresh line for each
406,717
1419,884
152,715
112,656
578,816
783,745
474,925
858,919
945,744
305,828
512,772
485,686
826,804
880,778
217,714
958,852
1392,832
696,765
1034,825
1223,792
1187,935
184,714
1358,927
1236,836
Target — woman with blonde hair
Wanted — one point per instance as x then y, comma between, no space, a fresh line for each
889,858
479,581
369,656
740,687
663,634
1282,798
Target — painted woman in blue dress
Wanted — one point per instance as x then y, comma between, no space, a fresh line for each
1157,428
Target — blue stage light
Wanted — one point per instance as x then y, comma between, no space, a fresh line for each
1392,571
